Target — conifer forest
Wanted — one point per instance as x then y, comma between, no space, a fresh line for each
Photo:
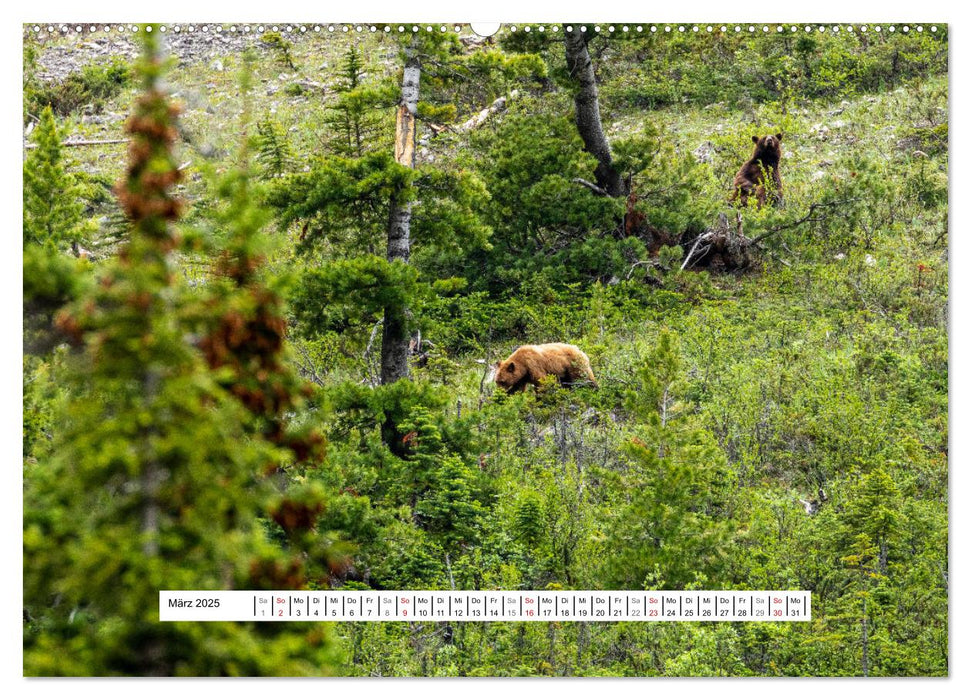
280,288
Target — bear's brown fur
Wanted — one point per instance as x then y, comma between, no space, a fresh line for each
764,162
530,364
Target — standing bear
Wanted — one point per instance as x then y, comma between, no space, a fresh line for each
529,364
763,163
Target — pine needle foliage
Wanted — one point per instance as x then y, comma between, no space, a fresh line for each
52,210
274,152
675,524
52,224
361,111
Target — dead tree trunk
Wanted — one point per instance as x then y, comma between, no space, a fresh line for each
587,102
723,247
394,340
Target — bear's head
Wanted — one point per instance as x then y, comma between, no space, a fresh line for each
768,149
510,373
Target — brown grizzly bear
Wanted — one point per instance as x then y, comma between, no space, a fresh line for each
529,364
764,162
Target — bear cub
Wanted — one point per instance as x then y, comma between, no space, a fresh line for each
763,163
530,364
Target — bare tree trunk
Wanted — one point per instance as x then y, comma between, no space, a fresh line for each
151,477
394,339
866,643
587,102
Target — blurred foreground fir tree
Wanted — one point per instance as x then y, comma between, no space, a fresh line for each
243,334
155,480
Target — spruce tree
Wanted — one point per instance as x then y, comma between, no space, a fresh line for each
359,114
275,154
155,480
675,527
52,222
52,211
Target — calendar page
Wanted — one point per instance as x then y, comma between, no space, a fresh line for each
543,349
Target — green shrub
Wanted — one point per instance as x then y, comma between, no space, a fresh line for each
280,47
90,88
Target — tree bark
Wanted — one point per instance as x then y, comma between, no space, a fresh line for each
866,643
150,478
394,338
587,102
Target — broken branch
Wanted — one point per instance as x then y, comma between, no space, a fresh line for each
596,189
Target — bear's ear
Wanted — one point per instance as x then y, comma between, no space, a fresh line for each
755,139
511,366
778,137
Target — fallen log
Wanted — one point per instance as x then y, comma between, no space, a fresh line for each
101,142
498,105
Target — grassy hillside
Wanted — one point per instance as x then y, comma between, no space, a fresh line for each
781,426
